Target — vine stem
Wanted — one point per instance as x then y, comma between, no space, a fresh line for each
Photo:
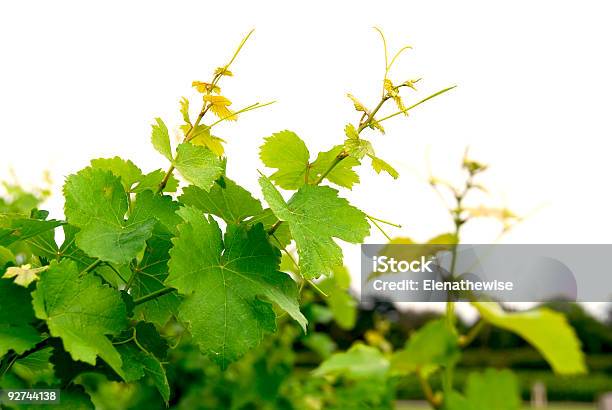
153,295
91,267
205,107
427,390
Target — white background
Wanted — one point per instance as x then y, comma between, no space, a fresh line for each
80,80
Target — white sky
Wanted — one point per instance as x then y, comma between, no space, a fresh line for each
81,80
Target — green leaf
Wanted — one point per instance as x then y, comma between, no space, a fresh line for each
431,346
161,139
16,316
96,203
342,174
72,398
230,202
224,282
152,272
124,169
456,401
162,208
143,355
286,152
380,165
281,237
153,179
340,302
493,389
81,311
359,362
546,330
198,165
316,215
20,229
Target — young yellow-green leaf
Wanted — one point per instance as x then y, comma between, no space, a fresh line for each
493,389
198,165
218,105
431,346
97,203
185,110
351,132
16,316
24,274
342,174
286,152
201,136
380,165
230,202
375,125
226,283
359,362
81,311
316,215
357,104
205,88
124,169
544,329
161,139
358,147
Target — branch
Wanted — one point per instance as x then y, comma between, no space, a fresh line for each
153,295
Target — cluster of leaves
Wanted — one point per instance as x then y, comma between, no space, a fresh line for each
140,254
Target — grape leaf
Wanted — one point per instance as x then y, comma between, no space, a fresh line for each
152,180
19,229
73,397
143,355
124,169
184,103
342,174
152,271
198,165
160,138
230,202
493,389
96,203
359,362
24,274
201,136
340,302
281,236
544,329
316,215
379,165
286,152
224,281
81,311
431,346
16,316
